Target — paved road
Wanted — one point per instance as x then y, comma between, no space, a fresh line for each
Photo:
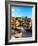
27,34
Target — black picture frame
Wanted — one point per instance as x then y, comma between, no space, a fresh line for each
6,31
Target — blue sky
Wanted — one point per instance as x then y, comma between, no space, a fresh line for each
21,11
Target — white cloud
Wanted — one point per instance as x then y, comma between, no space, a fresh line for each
13,12
13,9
